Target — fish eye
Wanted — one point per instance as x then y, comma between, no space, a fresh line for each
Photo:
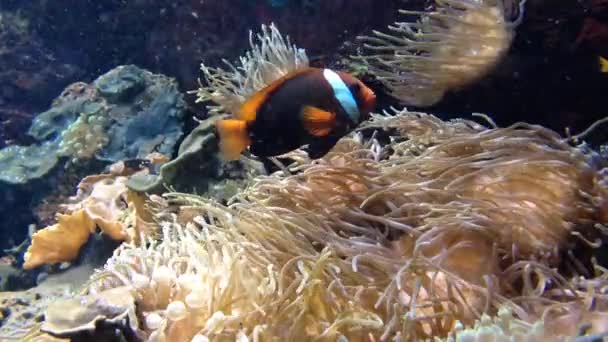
355,88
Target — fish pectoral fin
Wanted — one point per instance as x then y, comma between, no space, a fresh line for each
318,122
233,137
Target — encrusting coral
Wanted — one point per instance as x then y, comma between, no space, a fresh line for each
115,306
456,44
59,242
84,137
376,242
22,310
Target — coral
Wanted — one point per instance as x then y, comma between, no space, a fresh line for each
502,328
113,308
23,311
20,164
148,116
271,57
197,154
126,113
76,124
59,242
103,198
452,46
76,99
83,138
102,201
379,242
122,84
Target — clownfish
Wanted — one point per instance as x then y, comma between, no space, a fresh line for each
309,106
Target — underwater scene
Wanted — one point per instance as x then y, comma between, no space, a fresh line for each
304,170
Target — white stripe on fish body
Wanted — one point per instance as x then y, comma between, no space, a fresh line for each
342,94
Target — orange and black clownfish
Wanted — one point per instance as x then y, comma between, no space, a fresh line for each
310,106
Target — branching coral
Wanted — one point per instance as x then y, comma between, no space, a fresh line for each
457,43
377,242
272,57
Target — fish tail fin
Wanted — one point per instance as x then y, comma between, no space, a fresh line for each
233,136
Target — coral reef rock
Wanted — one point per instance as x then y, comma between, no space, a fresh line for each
126,113
21,311
154,107
31,73
198,155
112,310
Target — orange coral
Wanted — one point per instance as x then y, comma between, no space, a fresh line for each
59,242
104,202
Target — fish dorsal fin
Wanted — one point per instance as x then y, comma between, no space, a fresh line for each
233,138
249,108
318,122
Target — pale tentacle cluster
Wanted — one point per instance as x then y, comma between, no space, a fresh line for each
271,57
452,46
408,241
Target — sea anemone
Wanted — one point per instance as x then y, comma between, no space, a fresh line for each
411,240
271,57
452,46
414,233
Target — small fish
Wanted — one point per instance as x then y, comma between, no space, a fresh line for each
603,64
309,106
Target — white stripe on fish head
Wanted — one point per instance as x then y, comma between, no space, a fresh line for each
343,95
